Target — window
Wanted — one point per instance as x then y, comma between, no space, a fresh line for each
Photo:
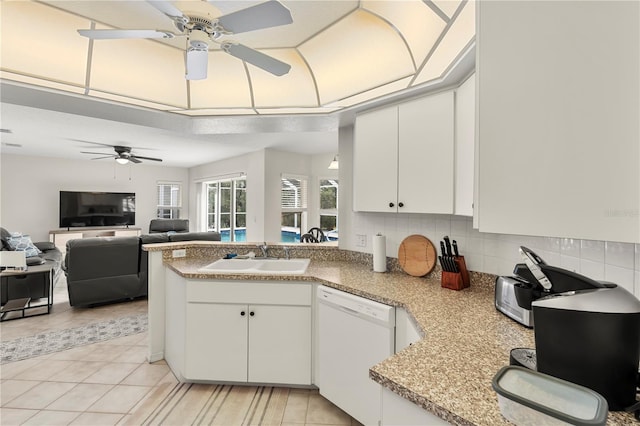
169,201
329,208
227,208
293,201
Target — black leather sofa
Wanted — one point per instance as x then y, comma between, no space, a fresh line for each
50,255
110,269
168,225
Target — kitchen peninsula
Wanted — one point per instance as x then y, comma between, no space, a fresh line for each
448,373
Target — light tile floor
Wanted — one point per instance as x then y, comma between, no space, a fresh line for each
109,382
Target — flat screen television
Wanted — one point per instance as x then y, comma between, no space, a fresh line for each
82,209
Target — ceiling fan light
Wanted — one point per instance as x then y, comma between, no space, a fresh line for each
334,165
197,62
121,160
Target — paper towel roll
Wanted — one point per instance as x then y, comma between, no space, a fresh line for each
379,253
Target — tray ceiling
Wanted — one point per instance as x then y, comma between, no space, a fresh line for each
342,54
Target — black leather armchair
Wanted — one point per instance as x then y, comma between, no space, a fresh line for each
101,270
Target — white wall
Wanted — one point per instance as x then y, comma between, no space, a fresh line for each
30,186
484,252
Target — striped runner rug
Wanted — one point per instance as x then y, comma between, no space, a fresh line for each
202,404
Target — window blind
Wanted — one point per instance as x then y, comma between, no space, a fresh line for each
169,200
294,193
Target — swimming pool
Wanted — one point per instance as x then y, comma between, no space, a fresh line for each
241,236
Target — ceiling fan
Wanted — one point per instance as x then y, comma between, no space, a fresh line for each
200,30
123,155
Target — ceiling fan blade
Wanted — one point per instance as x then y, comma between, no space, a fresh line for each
170,10
116,34
92,143
132,157
102,158
256,58
196,63
95,153
264,15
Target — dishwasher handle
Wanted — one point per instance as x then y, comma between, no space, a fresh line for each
347,310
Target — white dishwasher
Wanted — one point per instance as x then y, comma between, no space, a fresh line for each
354,334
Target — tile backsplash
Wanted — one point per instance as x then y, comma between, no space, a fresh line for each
498,253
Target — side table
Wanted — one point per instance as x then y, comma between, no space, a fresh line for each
18,287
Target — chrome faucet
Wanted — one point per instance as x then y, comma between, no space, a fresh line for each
265,249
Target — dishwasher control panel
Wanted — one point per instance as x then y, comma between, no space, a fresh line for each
357,305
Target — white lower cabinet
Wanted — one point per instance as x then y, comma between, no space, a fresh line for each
398,411
406,331
216,342
261,332
280,344
256,332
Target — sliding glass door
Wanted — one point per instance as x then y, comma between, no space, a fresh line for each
227,208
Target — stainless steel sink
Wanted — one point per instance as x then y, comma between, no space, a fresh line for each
258,266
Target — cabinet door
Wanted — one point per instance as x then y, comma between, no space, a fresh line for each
216,342
557,130
397,411
280,344
406,331
375,161
465,146
425,155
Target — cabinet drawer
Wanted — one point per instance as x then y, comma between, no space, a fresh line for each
248,292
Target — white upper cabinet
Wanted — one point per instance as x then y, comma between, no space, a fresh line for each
558,123
465,146
375,161
403,157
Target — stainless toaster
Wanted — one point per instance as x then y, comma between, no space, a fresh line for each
505,299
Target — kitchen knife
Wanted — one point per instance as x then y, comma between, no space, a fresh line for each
447,265
455,265
442,265
447,262
444,253
455,248
448,244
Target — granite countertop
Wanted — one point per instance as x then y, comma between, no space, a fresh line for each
465,340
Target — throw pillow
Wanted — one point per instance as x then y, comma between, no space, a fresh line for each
23,243
4,235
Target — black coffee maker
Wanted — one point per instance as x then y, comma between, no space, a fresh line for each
586,332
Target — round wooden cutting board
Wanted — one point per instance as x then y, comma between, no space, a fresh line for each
417,255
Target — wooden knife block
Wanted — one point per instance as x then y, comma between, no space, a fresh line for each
456,280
